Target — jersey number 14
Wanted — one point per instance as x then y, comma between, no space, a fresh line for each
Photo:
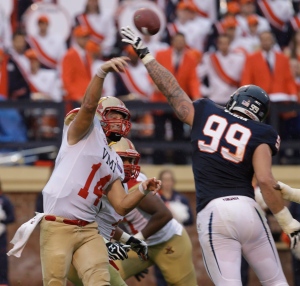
98,189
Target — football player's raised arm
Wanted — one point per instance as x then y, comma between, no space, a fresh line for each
164,80
168,85
83,121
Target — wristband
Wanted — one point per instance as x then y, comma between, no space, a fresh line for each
148,58
101,73
141,189
124,237
139,235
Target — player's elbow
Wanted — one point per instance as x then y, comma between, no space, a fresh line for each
122,211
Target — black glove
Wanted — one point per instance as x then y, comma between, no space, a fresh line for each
294,237
135,41
141,274
138,246
117,250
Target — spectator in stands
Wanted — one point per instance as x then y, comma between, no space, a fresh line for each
7,216
176,202
49,47
95,52
278,13
182,64
18,67
250,43
248,8
76,66
209,9
184,13
265,69
44,83
194,27
100,25
179,206
226,26
222,70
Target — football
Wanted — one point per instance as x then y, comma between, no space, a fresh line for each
146,21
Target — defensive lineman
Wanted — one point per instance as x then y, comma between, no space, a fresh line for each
230,145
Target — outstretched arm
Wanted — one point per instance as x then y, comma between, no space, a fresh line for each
165,81
168,85
83,120
123,203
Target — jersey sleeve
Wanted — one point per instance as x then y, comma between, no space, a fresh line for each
271,137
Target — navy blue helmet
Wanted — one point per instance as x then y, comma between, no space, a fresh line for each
250,100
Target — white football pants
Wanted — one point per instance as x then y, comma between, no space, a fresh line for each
230,227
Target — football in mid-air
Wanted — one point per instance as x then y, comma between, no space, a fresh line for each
146,21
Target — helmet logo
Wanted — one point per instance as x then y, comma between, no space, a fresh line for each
246,103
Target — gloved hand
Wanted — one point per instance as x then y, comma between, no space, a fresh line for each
117,250
289,193
289,225
141,274
138,246
135,41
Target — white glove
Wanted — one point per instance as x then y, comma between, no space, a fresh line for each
135,41
2,214
289,193
179,211
289,225
139,246
117,250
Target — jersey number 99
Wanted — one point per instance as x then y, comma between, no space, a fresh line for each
236,135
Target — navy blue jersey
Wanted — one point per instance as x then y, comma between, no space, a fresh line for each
223,144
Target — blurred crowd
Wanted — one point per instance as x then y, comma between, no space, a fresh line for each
49,50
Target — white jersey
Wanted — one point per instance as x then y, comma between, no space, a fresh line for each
107,219
134,221
82,172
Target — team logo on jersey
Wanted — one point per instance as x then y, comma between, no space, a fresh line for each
169,250
109,161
